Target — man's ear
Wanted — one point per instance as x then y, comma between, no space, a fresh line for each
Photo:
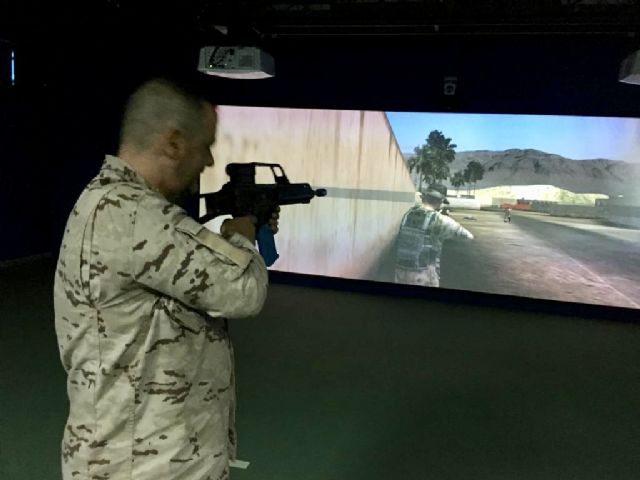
175,144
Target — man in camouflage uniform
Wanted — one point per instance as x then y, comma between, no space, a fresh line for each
142,293
422,232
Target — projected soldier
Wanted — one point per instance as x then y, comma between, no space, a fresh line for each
422,232
142,293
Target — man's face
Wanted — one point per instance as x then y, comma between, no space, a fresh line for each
198,153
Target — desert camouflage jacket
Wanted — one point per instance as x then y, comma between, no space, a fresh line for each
422,233
150,374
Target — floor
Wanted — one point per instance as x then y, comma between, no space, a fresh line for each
339,385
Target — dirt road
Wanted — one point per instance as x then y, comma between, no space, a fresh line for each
540,256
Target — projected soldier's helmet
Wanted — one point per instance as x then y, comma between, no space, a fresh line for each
438,192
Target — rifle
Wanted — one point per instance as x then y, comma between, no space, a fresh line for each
241,196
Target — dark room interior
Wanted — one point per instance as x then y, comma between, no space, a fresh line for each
336,378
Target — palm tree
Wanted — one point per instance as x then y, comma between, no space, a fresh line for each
473,173
457,180
432,159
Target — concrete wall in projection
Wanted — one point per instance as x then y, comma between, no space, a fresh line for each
353,154
575,211
625,215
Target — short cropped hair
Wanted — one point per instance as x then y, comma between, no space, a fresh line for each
432,200
159,104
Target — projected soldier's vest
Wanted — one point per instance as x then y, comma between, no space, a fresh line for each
415,250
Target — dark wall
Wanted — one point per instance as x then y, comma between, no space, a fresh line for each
24,216
61,118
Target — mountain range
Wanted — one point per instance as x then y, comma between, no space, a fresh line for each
534,167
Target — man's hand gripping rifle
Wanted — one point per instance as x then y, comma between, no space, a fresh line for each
241,196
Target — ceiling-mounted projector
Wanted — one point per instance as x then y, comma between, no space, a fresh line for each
630,69
236,62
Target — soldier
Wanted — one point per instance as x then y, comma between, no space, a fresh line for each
422,232
507,215
142,293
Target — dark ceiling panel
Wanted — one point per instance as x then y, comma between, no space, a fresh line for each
247,18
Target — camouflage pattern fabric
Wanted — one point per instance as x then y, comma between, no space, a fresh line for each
141,295
426,277
419,245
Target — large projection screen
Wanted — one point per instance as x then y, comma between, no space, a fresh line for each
572,185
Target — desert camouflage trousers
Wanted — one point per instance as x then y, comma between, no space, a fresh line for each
426,277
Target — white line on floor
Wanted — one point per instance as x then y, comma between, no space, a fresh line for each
580,264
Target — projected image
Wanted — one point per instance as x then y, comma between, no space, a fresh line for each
534,206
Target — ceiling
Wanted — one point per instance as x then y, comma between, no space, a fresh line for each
427,17
253,20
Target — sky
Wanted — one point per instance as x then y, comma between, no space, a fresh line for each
577,138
